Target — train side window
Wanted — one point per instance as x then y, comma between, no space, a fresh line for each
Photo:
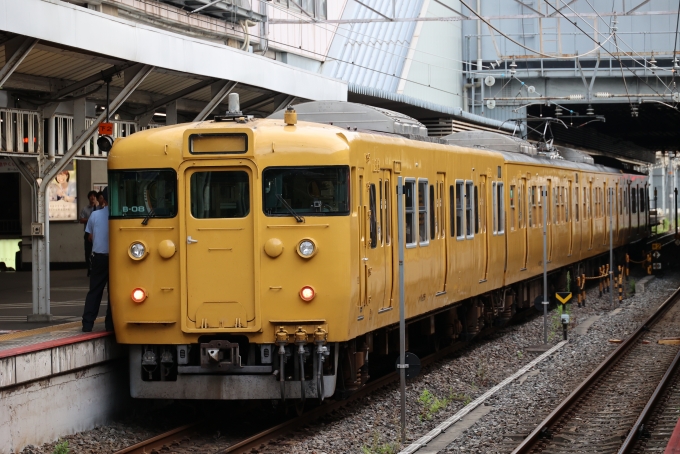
470,210
452,210
460,197
532,205
372,222
423,215
381,209
476,205
576,202
388,214
512,207
500,209
633,201
410,203
642,200
494,211
433,215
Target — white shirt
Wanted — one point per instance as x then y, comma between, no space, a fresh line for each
98,226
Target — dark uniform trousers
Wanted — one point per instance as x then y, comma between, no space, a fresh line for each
88,252
99,278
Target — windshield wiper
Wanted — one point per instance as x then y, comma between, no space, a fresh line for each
290,209
146,219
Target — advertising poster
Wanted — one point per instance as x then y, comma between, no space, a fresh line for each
63,196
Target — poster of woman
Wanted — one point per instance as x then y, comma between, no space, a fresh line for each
63,196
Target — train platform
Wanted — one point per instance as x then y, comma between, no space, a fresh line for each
68,291
57,380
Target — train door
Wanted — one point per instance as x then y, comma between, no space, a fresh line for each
361,201
374,269
617,211
439,234
605,201
591,225
386,221
570,216
483,233
219,228
551,215
524,213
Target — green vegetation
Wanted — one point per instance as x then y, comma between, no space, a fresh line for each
376,447
631,286
431,404
520,355
61,448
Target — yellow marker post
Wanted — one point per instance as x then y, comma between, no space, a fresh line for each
563,297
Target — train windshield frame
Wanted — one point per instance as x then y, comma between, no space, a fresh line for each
306,191
142,193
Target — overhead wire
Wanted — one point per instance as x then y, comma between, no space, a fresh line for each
675,45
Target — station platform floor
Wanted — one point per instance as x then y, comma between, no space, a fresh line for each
68,291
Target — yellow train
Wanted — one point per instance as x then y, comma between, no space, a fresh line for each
257,258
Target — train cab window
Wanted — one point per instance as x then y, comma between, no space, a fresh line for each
410,205
460,199
423,215
433,219
469,209
372,218
309,191
142,193
220,194
642,200
512,207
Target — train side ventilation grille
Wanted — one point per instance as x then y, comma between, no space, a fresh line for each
491,141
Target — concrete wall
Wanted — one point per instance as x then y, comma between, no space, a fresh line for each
44,410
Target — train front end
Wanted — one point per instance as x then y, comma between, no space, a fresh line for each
229,258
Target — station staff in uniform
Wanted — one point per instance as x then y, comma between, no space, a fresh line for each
98,229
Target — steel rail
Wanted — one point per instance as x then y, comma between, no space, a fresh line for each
160,441
634,433
530,441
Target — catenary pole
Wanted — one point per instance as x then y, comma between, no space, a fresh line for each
402,323
545,264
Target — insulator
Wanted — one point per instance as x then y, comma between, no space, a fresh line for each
590,110
603,94
558,111
575,97
513,68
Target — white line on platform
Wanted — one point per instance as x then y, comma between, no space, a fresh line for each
22,318
424,440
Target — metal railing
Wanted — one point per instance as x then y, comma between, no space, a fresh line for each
21,134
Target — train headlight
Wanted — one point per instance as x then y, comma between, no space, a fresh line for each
137,250
138,295
307,293
306,248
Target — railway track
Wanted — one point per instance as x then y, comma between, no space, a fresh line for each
271,437
608,411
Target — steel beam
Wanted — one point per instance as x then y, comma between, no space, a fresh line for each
173,97
216,100
487,18
41,253
374,10
13,62
101,76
